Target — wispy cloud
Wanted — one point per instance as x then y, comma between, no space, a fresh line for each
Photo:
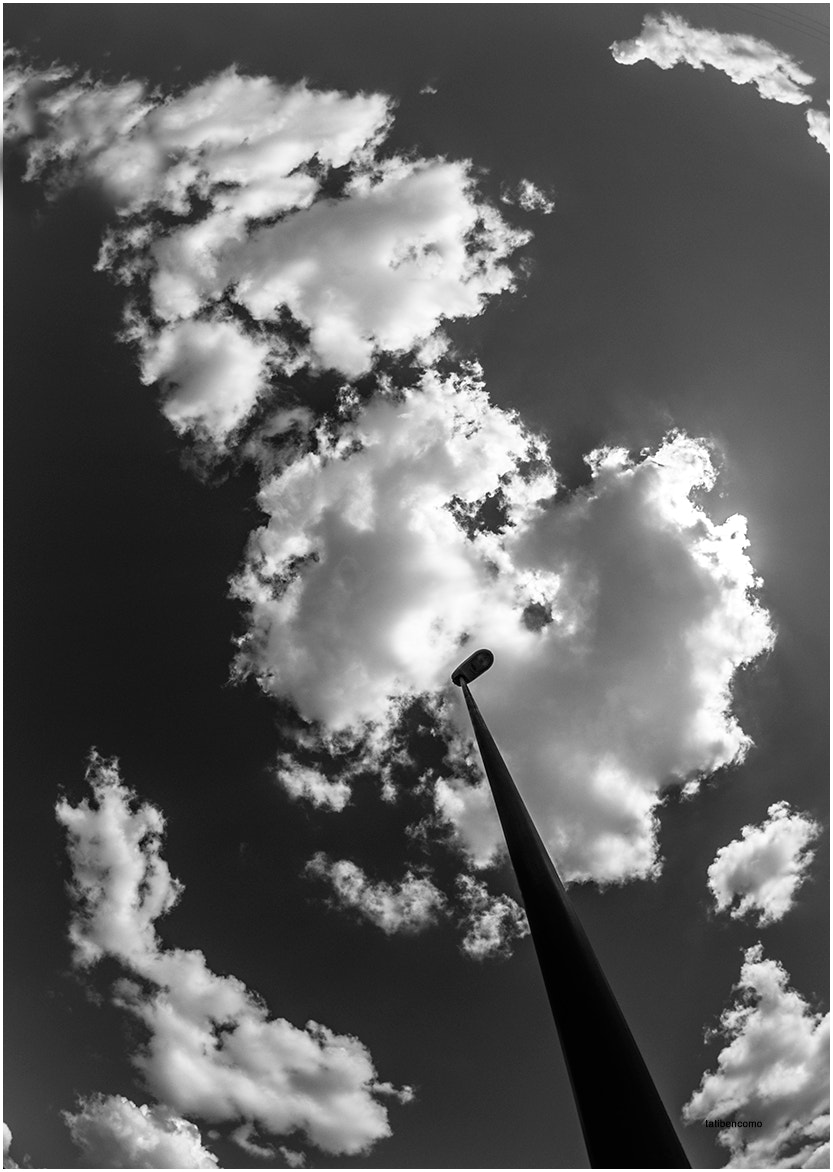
212,1051
759,874
774,1068
409,906
112,1132
669,40
529,197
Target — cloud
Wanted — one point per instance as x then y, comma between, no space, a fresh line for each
818,127
669,40
261,230
492,922
311,784
763,869
8,1160
261,236
618,616
212,1050
409,907
774,1068
112,1132
529,197
293,1159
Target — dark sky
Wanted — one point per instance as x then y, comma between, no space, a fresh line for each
681,281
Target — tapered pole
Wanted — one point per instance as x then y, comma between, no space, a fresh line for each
624,1122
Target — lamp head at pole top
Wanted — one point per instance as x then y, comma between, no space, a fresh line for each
474,666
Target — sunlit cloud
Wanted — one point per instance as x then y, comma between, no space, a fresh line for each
212,1050
408,906
669,40
492,923
818,127
759,874
112,1132
529,197
773,1068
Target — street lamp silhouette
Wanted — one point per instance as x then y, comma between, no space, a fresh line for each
623,1120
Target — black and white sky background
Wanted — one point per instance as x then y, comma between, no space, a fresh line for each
373,282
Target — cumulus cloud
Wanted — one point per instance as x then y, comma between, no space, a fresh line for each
8,1160
261,230
112,1132
212,1050
760,873
246,168
669,40
410,906
818,127
774,1068
529,197
618,616
492,923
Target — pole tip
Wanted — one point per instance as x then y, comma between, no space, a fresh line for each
474,666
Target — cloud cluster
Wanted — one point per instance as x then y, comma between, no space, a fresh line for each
112,1132
618,616
760,873
262,230
212,1049
283,211
774,1068
409,907
669,40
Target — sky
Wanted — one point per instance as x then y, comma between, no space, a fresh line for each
342,340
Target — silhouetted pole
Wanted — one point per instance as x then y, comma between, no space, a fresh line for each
623,1120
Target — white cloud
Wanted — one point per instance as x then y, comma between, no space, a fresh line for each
410,906
8,1160
763,869
529,197
774,1068
818,127
407,244
669,40
293,1159
302,782
112,1132
211,372
618,616
492,922
212,1049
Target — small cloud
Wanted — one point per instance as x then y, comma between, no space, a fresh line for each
8,1160
818,127
293,1159
773,1069
311,785
409,907
529,197
492,923
760,873
428,88
669,40
112,1132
